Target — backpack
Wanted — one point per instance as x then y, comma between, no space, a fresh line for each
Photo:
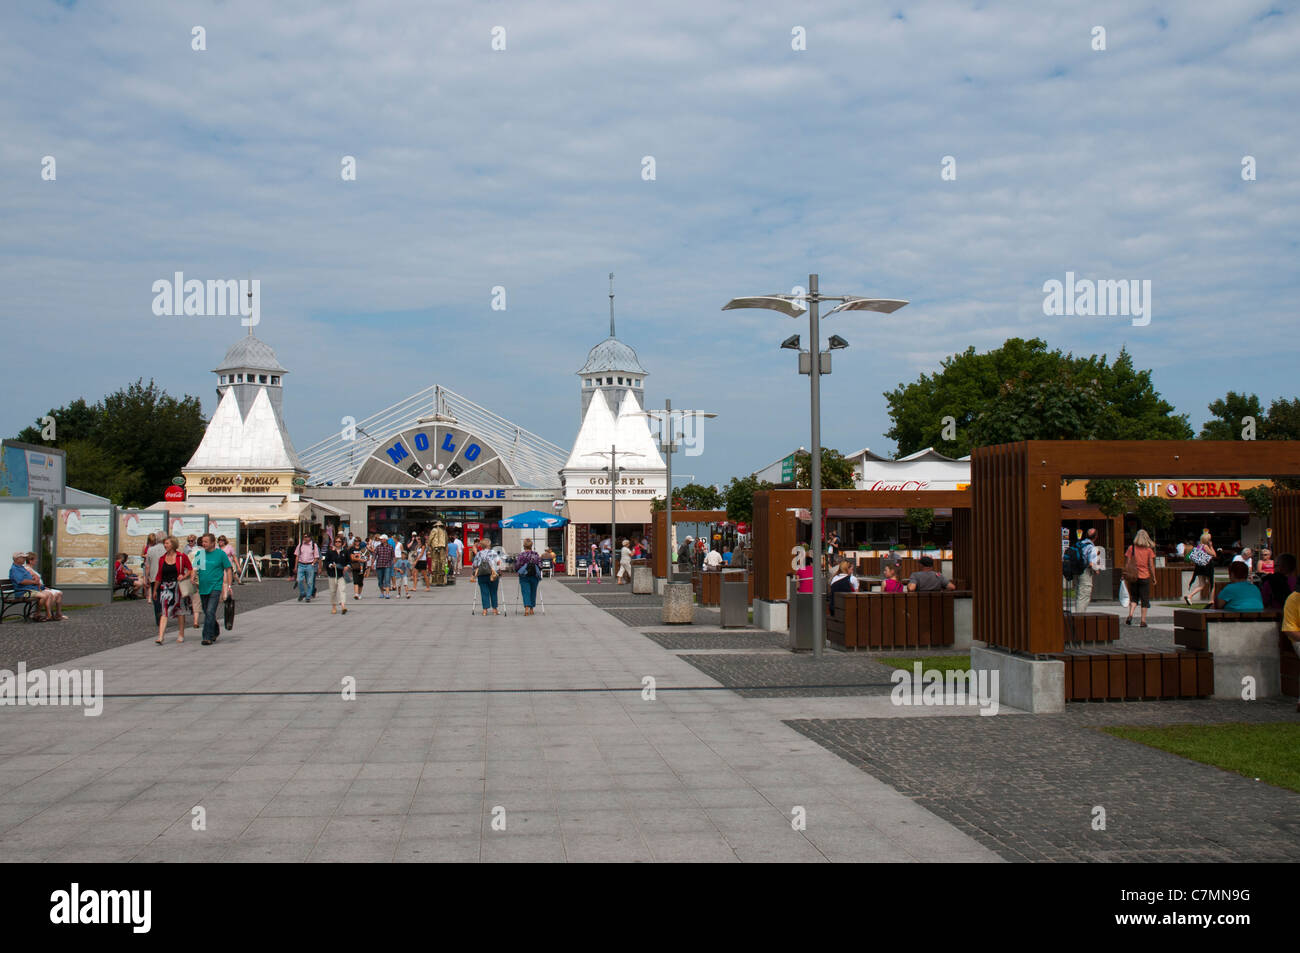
1072,561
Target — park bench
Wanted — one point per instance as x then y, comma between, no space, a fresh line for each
10,598
1112,673
1090,627
895,620
1243,644
710,585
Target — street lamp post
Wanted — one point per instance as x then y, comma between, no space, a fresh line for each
612,453
668,446
815,363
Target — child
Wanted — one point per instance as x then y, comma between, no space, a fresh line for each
401,568
892,582
593,566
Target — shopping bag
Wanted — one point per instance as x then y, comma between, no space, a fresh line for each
1123,595
230,612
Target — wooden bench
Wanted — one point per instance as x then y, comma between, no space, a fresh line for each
710,585
10,598
1090,626
1112,673
1248,651
895,620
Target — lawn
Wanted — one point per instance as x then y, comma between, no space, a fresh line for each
944,663
1263,752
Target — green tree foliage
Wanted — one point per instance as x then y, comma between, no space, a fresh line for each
694,496
1154,512
1112,497
1023,391
837,471
1260,500
921,519
1228,412
739,497
128,446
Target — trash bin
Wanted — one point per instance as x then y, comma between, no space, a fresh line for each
733,597
800,614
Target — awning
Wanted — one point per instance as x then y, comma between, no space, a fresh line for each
247,509
590,511
326,508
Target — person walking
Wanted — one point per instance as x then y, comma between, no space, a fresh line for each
152,557
172,567
1139,560
625,563
228,548
1202,559
528,566
213,572
420,557
487,571
307,553
1083,589
336,563
385,556
357,556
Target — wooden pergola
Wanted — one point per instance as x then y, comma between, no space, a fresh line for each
1016,513
659,554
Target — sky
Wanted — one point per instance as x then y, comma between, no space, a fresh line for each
524,168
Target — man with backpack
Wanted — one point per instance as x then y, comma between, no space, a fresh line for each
1086,565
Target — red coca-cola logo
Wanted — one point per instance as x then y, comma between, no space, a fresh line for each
902,486
174,494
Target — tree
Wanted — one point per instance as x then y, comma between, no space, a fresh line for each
837,471
921,520
1154,512
1228,411
1023,391
694,496
1112,497
739,497
139,430
1283,421
1260,500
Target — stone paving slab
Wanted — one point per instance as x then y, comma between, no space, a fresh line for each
1026,787
802,675
455,715
698,638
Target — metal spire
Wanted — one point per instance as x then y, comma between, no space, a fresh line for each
611,304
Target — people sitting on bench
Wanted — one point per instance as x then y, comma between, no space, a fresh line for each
1239,595
926,579
28,581
843,581
124,578
892,582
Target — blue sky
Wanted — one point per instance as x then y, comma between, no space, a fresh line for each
522,169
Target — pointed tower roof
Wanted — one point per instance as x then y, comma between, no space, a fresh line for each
250,353
599,430
633,436
257,441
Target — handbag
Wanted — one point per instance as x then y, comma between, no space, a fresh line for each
1130,567
185,586
230,612
1200,557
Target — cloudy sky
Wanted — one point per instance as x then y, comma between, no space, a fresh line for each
523,168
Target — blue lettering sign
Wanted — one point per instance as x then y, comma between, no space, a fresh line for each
464,494
478,494
404,494
472,451
371,494
397,453
448,445
421,442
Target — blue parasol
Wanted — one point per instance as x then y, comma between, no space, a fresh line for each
534,519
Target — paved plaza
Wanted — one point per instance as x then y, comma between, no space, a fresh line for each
460,720
455,715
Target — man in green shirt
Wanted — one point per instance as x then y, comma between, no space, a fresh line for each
212,574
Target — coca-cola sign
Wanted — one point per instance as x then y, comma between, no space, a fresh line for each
903,485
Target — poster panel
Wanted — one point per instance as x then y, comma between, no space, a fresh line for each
227,526
183,526
20,525
83,553
29,470
133,529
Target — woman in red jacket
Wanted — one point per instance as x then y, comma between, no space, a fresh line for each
172,568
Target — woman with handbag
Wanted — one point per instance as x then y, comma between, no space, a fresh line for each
1202,560
336,562
487,569
172,568
1138,577
528,566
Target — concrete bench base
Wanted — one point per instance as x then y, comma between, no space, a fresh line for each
773,616
1034,685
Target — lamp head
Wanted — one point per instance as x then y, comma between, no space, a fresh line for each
791,343
838,342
